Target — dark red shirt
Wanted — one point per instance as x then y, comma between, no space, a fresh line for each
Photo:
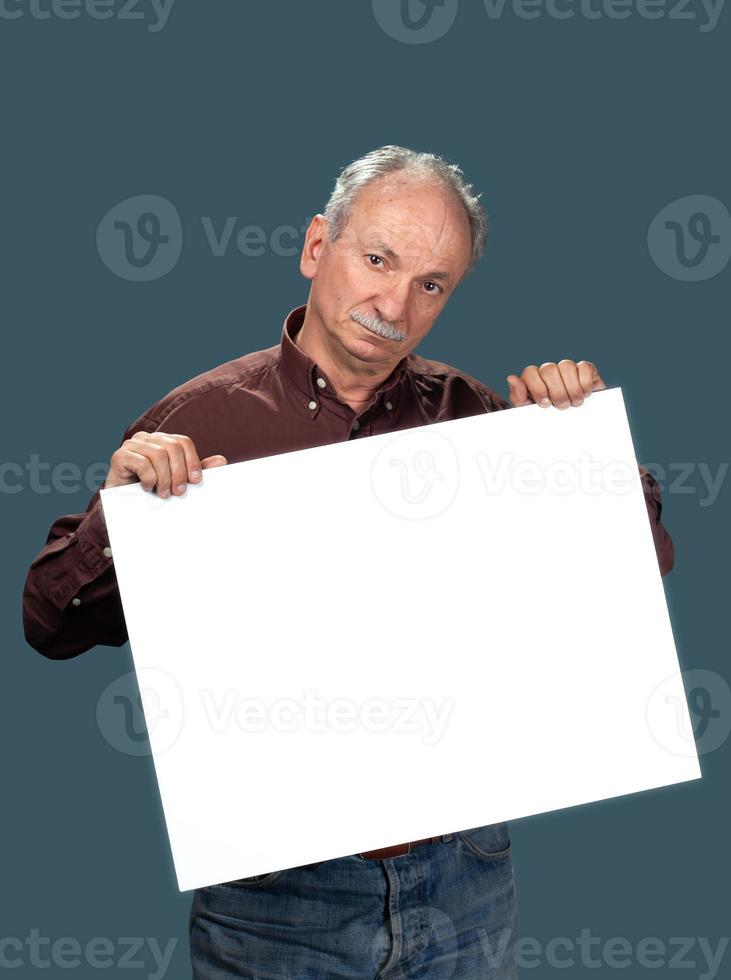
271,401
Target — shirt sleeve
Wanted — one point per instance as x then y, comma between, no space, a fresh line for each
71,598
664,547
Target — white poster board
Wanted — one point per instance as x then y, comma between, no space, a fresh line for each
399,636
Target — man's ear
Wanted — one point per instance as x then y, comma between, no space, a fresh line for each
315,238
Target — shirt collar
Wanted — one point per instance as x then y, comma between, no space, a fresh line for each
303,372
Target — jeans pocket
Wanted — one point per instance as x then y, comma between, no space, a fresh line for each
255,881
490,842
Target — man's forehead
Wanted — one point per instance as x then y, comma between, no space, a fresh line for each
411,219
411,241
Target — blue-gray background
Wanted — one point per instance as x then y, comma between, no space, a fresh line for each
578,132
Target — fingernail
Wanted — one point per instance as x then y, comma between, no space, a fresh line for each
180,488
195,474
164,493
545,402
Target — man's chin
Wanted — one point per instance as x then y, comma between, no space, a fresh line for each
367,346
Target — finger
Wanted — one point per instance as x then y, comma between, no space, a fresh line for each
211,461
190,455
177,464
130,464
556,389
537,390
570,377
158,456
589,377
585,371
518,391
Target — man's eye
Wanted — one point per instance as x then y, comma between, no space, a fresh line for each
437,287
377,257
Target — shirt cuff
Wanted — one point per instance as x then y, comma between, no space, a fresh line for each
93,540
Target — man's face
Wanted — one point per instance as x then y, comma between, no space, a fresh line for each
377,291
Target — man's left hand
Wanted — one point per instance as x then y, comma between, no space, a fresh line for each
564,384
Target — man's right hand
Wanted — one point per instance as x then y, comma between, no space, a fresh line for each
159,461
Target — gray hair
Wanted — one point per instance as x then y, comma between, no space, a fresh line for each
391,159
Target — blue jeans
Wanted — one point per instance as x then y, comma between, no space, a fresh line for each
445,911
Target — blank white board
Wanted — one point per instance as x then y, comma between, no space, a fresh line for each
399,636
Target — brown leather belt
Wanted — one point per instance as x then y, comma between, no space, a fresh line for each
396,850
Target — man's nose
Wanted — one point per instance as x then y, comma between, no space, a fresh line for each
392,302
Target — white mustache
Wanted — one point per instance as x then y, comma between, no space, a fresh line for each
383,329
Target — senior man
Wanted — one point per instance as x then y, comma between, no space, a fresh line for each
400,232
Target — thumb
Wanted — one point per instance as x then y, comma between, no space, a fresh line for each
210,461
518,391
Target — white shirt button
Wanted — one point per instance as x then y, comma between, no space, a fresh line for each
312,405
356,425
322,383
76,601
389,406
107,552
